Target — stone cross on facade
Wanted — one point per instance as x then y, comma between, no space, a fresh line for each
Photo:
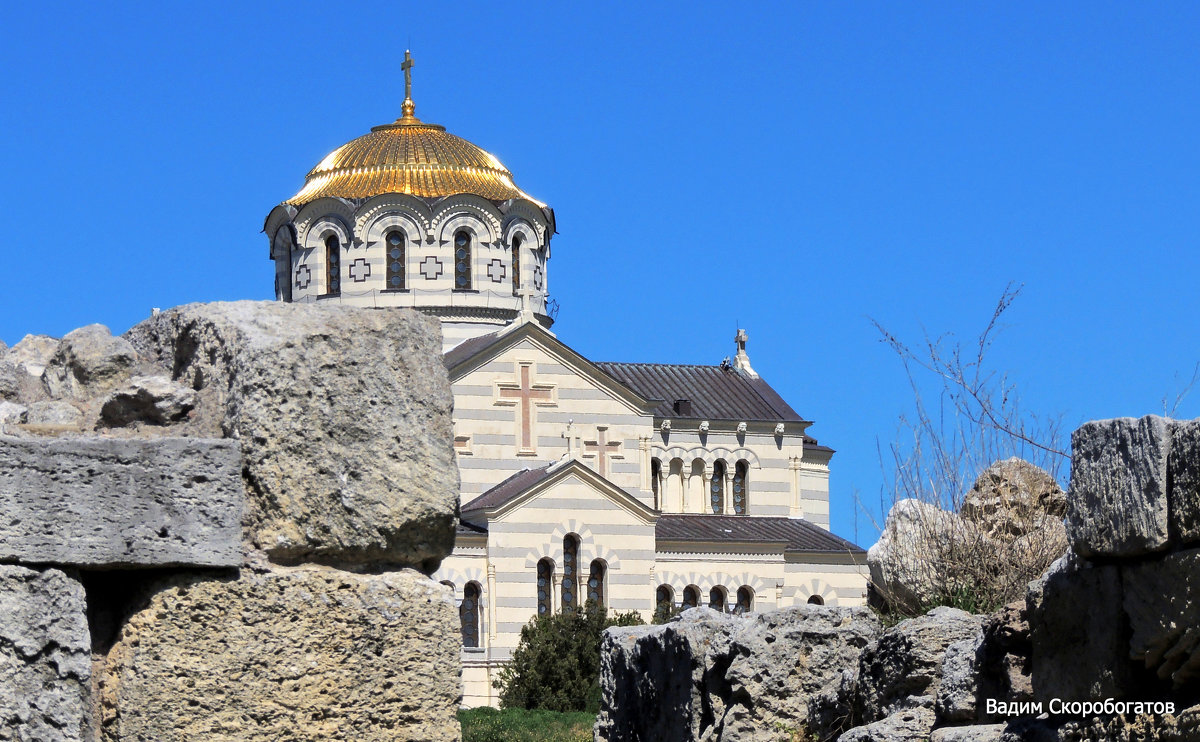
525,395
603,449
360,270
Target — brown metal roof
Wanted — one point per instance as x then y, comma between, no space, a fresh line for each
794,534
508,489
715,392
470,529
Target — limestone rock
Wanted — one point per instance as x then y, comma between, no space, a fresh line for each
958,692
33,353
1013,498
664,682
103,502
45,656
1183,463
89,362
54,413
1183,726
1004,659
780,660
1162,601
155,400
905,563
10,380
1078,630
977,733
902,669
303,654
344,418
11,412
909,725
1118,500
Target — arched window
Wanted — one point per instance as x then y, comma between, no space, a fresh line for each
691,596
595,586
468,615
816,600
717,490
516,263
664,598
570,580
745,600
333,265
462,260
718,599
545,587
394,244
740,492
655,475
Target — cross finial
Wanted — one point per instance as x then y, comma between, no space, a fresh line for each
409,107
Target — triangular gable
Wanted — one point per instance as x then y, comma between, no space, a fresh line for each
515,498
480,350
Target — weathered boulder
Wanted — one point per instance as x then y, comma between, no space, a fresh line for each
10,380
957,696
906,563
89,362
902,669
11,412
1182,726
102,502
1004,659
300,654
54,413
665,682
908,725
344,418
1118,500
1013,498
33,352
45,656
1162,601
155,400
1183,463
1078,629
781,660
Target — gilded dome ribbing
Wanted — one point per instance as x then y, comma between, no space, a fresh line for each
409,156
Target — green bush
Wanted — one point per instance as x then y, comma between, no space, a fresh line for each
556,665
520,725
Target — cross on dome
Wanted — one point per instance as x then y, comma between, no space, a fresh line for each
408,108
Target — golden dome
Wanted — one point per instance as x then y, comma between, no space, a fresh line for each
409,156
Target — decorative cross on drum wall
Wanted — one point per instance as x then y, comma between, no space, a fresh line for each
431,268
360,270
524,395
602,449
303,277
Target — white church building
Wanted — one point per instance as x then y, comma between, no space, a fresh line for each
632,484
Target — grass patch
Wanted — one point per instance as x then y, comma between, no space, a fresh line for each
522,725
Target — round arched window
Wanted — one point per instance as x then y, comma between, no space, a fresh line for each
462,261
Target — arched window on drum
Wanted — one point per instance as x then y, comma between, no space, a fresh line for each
691,596
394,246
718,599
462,260
333,266
545,587
468,614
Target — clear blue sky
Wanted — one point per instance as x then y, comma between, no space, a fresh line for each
796,168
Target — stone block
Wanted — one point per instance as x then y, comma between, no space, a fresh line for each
88,362
33,352
903,668
45,656
975,733
304,654
908,725
1183,464
1078,630
1162,601
1117,505
344,417
102,502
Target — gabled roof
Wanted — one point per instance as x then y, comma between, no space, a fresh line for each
794,534
525,484
469,354
715,392
508,489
